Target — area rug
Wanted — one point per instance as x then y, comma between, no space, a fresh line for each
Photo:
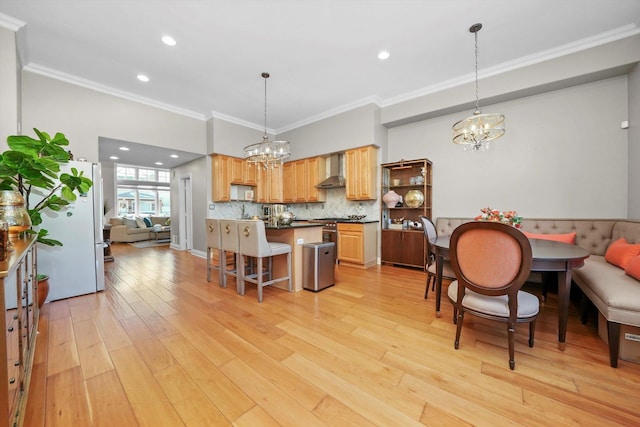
150,243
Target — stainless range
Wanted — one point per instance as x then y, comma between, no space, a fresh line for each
329,231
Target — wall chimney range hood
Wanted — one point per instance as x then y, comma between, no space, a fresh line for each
336,179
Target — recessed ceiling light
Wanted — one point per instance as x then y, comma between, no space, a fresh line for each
174,156
124,148
168,40
114,157
383,54
159,163
143,78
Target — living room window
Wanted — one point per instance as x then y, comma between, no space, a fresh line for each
143,191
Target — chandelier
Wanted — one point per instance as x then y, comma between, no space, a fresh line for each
475,132
268,153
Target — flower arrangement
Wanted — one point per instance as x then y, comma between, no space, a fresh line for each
509,217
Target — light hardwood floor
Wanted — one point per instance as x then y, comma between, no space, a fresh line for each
162,347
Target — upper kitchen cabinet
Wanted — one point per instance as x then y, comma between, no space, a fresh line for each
221,167
361,165
227,170
300,178
269,188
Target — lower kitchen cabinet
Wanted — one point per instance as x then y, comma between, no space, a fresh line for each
403,247
357,243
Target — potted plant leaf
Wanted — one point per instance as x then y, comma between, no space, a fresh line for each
34,164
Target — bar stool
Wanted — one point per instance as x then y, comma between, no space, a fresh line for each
229,243
213,243
253,243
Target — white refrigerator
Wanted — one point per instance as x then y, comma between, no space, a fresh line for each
77,267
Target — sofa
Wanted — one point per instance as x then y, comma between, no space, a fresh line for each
130,230
613,291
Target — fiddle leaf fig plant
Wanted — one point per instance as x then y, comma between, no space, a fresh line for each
34,165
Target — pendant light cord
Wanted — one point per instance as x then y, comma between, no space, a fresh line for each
266,76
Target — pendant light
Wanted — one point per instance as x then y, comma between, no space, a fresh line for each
267,153
475,132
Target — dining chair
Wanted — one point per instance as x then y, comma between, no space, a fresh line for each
491,262
431,235
253,243
230,244
214,244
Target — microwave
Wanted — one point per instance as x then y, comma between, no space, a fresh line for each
266,211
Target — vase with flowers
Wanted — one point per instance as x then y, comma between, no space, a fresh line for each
506,217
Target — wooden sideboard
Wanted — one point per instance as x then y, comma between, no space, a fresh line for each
18,277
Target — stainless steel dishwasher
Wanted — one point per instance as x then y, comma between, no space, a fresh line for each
318,265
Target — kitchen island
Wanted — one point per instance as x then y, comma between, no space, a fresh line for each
296,235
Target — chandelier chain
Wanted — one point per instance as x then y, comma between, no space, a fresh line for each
266,76
477,96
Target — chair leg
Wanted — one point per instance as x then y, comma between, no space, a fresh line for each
240,274
458,322
290,288
511,332
259,279
613,335
209,264
426,290
532,332
223,267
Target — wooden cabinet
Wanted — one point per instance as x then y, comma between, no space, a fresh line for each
403,244
288,182
299,180
221,170
404,247
269,188
227,170
316,173
361,173
357,244
20,322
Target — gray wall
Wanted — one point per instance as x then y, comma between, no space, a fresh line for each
83,115
634,143
563,155
8,86
196,170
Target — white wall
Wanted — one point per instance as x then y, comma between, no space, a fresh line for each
563,155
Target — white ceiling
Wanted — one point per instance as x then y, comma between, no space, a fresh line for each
321,54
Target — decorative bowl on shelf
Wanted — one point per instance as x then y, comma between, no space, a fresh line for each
414,198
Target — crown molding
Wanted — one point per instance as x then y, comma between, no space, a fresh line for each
237,121
332,112
567,49
11,23
69,78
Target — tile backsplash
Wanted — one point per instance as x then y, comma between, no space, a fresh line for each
335,206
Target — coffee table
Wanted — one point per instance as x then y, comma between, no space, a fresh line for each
162,229
547,256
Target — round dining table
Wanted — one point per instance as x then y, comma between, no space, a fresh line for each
547,256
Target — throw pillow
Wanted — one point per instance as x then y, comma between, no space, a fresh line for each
147,221
131,223
140,223
620,253
569,238
633,268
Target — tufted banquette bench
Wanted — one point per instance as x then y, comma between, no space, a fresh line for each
615,294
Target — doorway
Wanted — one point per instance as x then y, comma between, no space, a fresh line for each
185,210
